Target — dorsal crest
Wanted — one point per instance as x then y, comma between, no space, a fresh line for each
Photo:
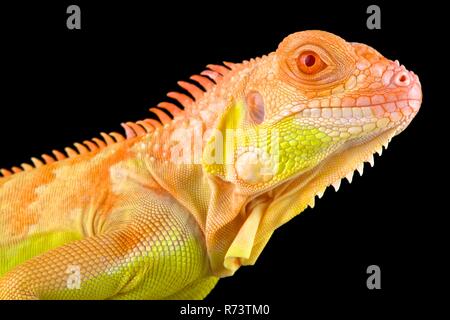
163,114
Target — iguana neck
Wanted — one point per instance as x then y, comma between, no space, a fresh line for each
173,156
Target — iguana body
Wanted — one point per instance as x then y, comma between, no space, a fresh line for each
170,208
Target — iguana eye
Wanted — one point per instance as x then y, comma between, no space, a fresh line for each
310,62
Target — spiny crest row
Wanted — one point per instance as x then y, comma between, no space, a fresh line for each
206,80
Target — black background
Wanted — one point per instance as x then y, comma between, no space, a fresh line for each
59,86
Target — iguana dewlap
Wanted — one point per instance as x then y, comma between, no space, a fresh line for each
178,203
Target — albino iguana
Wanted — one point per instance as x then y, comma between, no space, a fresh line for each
176,204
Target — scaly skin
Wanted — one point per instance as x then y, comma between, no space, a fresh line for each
166,211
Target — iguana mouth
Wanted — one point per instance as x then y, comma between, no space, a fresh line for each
353,153
358,114
303,188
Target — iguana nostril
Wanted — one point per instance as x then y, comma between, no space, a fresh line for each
402,79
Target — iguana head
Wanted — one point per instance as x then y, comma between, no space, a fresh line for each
303,118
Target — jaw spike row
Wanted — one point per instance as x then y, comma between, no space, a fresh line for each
380,151
336,185
349,177
360,168
311,203
371,160
320,194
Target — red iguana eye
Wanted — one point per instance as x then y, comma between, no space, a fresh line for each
310,62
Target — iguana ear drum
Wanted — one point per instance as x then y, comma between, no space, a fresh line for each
255,107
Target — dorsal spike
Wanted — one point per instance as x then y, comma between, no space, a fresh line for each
59,155
148,127
16,169
137,129
163,117
81,148
117,136
107,138
185,100
100,143
90,145
153,122
27,167
70,152
205,82
172,108
195,91
212,75
37,163
47,159
129,132
218,68
5,172
230,65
